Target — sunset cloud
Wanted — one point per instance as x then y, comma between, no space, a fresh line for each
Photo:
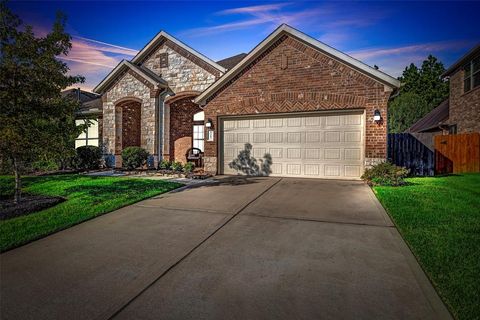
93,59
258,15
416,48
255,9
393,60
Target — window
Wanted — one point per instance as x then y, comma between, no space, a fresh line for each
90,136
198,136
452,129
471,78
198,130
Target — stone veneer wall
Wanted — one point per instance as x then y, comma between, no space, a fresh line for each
464,107
182,73
185,73
128,87
290,77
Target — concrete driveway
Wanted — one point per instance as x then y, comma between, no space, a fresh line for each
243,248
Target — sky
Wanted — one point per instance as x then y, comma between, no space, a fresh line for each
388,34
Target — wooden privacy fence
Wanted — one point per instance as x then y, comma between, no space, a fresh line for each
457,153
405,150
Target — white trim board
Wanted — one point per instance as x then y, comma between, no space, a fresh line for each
126,64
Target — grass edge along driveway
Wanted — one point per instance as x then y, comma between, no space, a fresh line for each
87,197
439,218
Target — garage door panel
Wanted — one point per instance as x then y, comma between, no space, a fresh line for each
317,145
332,136
352,171
276,152
275,137
353,136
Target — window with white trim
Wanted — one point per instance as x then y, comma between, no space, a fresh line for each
471,77
90,136
198,136
198,130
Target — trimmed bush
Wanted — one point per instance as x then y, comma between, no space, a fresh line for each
165,165
44,165
385,174
134,157
188,167
177,166
87,158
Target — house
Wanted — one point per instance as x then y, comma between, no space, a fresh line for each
432,124
464,100
460,113
304,108
91,109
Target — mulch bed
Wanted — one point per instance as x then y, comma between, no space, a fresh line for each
28,205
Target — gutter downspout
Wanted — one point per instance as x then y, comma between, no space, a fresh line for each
161,121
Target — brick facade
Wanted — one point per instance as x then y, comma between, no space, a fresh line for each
181,128
293,77
464,107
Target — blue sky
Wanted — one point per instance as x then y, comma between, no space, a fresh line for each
389,34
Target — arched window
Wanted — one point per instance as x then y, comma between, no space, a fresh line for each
198,130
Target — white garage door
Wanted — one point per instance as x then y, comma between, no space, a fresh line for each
314,145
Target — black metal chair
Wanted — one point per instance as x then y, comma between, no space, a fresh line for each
195,155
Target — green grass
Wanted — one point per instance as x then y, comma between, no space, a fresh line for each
439,217
87,197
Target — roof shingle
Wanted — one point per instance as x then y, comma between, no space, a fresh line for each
433,119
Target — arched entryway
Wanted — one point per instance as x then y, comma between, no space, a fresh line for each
128,117
182,125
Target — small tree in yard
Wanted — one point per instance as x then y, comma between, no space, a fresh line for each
33,113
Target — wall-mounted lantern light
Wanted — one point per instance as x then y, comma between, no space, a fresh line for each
377,117
209,123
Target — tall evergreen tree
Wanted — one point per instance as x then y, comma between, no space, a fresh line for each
422,90
32,109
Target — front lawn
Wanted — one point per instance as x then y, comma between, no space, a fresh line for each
439,218
87,197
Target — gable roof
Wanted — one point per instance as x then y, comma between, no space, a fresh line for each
163,35
460,62
286,29
230,62
433,119
151,77
79,94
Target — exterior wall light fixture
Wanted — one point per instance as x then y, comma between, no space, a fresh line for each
209,123
377,117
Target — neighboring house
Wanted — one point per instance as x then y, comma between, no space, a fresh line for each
433,123
91,109
464,97
460,113
308,107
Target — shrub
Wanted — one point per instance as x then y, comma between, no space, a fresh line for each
44,165
165,165
87,158
134,157
177,166
385,174
188,167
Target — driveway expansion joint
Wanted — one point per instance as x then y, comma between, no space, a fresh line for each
184,209
115,313
319,221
